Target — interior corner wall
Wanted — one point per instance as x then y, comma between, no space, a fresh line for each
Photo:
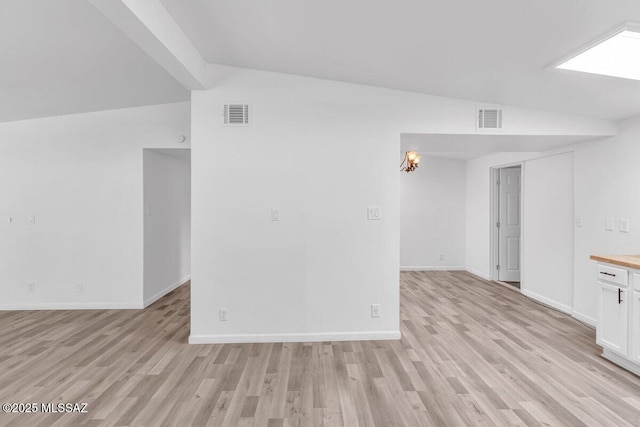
547,233
433,215
607,174
478,218
81,177
167,224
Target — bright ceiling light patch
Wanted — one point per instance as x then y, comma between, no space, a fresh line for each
616,56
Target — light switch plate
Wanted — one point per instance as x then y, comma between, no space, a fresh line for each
624,225
609,224
375,310
31,220
275,215
374,213
579,221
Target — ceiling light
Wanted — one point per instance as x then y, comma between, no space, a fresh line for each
616,55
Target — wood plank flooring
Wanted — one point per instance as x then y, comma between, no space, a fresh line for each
472,353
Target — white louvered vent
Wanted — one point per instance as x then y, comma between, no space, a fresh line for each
489,118
236,114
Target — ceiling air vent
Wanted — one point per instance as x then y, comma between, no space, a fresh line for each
236,114
489,118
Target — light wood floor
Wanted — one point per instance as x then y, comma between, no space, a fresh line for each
472,353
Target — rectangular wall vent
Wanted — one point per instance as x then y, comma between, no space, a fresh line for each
236,114
489,118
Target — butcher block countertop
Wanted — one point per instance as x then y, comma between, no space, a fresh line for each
629,261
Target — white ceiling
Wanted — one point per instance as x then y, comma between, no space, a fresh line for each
491,51
60,57
466,147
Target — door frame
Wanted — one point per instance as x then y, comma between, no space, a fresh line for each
494,216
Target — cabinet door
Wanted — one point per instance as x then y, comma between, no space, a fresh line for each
635,325
612,317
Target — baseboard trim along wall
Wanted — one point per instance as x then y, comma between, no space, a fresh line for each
267,338
431,268
551,303
477,273
71,306
165,291
584,318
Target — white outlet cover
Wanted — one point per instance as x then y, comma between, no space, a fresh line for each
375,310
275,215
374,213
624,225
31,220
223,315
579,221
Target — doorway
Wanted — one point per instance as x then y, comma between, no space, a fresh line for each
167,221
507,224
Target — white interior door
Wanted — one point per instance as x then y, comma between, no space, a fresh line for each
509,224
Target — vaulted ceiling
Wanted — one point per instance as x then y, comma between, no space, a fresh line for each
491,51
63,56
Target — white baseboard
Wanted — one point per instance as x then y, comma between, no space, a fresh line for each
584,318
321,337
71,306
165,291
477,273
621,361
431,268
547,301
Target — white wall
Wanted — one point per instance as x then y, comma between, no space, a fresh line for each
605,171
433,215
547,234
607,175
167,224
81,175
321,152
478,230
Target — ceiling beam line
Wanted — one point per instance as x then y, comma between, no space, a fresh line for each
151,27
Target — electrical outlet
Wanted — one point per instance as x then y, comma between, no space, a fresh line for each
275,215
441,257
223,315
374,213
31,220
31,287
579,221
10,220
624,225
375,310
79,288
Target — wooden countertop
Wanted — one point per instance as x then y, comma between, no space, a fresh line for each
629,261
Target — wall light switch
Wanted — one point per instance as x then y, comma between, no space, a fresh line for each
624,225
374,213
31,220
10,220
275,215
579,221
609,224
375,310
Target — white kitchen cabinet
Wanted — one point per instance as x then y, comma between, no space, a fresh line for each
618,323
634,353
613,319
